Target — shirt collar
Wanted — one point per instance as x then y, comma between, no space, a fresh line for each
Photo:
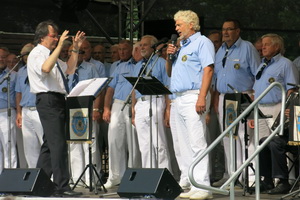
236,44
190,39
273,59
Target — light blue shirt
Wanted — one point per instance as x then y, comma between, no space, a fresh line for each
196,53
113,67
121,86
241,65
86,71
28,98
107,69
280,69
99,66
3,87
158,71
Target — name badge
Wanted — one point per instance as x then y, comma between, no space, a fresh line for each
237,66
4,89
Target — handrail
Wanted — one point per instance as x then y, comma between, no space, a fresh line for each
233,177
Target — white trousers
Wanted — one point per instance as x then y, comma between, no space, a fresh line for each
182,163
191,131
8,144
159,147
79,156
32,130
122,142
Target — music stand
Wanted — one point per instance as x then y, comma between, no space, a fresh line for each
149,85
79,115
234,105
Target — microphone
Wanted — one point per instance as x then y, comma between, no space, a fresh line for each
173,41
164,40
231,87
295,85
21,55
160,49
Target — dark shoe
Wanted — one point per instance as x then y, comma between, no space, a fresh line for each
280,189
265,186
71,193
68,193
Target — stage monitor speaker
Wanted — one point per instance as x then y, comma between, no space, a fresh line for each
33,182
149,183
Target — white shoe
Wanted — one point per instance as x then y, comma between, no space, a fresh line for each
109,184
188,194
201,195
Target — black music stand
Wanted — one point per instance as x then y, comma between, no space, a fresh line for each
79,115
149,85
234,105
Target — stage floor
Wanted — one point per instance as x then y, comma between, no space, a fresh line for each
112,194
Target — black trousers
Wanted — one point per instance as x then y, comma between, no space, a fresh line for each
272,159
53,157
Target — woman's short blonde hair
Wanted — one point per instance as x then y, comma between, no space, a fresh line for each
188,16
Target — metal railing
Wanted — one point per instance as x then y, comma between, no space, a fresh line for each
258,148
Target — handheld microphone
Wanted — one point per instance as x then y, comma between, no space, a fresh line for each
173,41
21,55
164,40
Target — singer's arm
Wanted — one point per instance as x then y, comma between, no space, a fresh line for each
19,109
170,50
107,104
206,82
169,67
133,102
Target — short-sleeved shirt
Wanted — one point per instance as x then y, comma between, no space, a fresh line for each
23,87
86,71
240,67
280,69
196,53
121,86
4,89
158,71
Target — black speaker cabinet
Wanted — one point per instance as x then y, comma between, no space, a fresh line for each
149,183
33,182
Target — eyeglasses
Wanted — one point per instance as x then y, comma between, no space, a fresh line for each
53,36
228,29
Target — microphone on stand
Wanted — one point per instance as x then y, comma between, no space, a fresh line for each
21,55
160,49
231,87
164,40
173,41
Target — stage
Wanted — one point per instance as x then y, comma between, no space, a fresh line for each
112,194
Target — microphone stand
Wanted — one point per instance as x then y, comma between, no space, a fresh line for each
7,78
127,101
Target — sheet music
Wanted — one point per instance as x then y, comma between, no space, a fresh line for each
88,87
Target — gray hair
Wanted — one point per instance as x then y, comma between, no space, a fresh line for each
188,16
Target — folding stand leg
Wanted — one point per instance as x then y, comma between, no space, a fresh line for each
91,168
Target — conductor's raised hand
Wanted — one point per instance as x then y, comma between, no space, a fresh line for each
63,37
78,39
